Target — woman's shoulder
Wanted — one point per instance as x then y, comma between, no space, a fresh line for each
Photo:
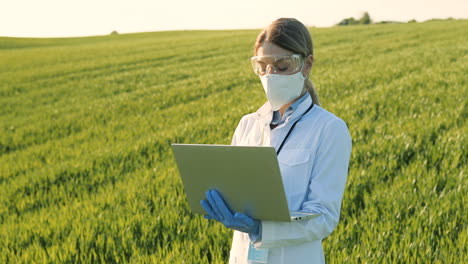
319,115
331,127
251,116
323,117
248,120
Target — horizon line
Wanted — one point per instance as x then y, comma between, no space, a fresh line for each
225,29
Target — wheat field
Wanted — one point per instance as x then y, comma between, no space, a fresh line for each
87,174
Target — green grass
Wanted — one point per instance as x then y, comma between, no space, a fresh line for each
87,173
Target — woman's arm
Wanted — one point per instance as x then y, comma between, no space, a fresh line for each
324,196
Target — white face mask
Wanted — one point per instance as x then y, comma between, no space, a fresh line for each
282,89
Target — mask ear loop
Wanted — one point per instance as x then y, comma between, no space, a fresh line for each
304,77
302,68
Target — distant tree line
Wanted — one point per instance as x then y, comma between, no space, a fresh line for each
365,20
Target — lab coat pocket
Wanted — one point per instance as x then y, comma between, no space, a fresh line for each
295,166
293,157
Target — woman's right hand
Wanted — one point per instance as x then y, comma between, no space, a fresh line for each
217,209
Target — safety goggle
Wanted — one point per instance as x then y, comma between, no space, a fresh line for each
284,65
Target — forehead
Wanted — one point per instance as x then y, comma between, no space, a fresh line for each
271,49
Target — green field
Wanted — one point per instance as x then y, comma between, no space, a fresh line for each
87,174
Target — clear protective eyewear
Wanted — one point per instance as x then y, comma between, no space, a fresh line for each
283,65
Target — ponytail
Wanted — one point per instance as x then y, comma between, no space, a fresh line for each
313,93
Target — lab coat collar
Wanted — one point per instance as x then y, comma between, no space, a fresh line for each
265,112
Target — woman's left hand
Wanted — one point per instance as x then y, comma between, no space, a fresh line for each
217,209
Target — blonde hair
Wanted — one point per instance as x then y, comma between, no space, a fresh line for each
292,35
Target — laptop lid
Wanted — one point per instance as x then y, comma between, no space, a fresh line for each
248,177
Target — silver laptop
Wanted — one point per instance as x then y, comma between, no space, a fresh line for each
248,178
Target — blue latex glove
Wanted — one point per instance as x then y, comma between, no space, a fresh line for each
217,209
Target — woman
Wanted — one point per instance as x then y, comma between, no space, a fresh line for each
313,147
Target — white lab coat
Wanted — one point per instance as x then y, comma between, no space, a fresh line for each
314,166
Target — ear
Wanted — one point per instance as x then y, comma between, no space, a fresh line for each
308,63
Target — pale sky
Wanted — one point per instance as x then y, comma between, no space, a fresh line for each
66,18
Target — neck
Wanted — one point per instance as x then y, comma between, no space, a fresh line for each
284,107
